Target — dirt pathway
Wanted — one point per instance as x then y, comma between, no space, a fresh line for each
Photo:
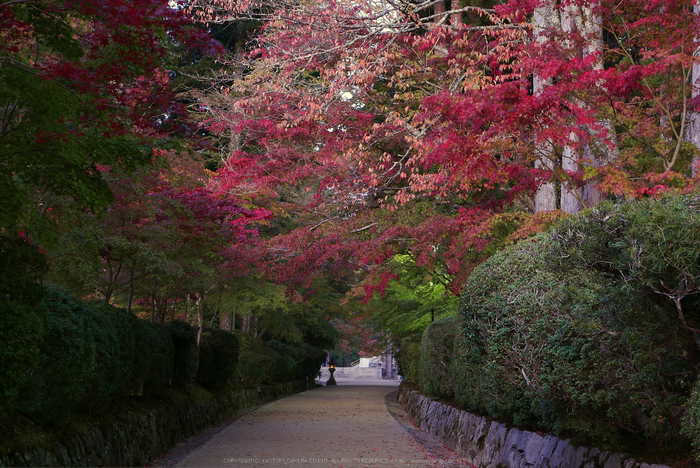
346,426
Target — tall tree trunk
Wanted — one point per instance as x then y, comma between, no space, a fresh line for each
603,149
544,17
216,312
570,194
456,18
693,132
199,303
131,291
227,321
570,159
440,9
153,301
187,301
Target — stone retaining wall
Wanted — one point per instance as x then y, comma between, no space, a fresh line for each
146,433
488,444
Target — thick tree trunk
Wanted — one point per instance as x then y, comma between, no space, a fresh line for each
693,132
228,321
254,326
225,322
571,156
131,292
199,303
153,301
439,10
187,300
603,148
570,194
544,17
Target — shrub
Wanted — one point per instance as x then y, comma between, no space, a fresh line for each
66,368
436,357
184,337
408,358
295,361
219,354
311,359
691,420
22,317
568,350
284,361
152,369
22,329
257,362
114,355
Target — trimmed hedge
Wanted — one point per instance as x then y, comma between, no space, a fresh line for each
67,366
219,354
152,371
184,338
436,357
114,356
257,362
573,351
66,356
22,318
408,358
295,362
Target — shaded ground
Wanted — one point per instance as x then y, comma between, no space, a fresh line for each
356,424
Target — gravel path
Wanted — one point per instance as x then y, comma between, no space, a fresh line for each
356,424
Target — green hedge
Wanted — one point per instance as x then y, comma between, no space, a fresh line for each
184,338
257,362
63,356
22,318
437,346
219,354
408,358
152,369
115,354
295,361
67,366
570,350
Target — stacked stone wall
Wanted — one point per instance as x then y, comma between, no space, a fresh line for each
484,443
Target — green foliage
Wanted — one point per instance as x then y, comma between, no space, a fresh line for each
184,337
257,362
22,330
691,420
152,370
651,244
408,358
114,355
436,357
411,302
295,362
218,358
67,365
571,351
21,268
22,316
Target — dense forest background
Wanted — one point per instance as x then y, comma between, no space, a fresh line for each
264,181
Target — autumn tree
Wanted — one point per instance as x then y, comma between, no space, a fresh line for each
82,85
392,127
